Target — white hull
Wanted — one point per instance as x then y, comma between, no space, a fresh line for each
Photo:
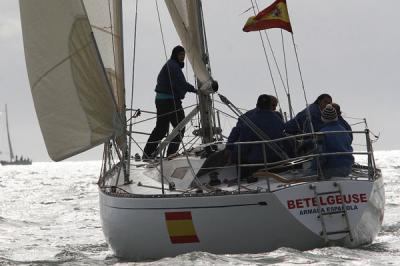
140,227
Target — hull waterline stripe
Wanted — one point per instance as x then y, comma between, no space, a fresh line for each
263,203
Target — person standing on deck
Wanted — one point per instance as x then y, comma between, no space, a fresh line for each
170,90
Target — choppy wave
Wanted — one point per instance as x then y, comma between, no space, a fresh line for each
49,216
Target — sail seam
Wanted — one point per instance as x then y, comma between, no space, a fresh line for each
59,64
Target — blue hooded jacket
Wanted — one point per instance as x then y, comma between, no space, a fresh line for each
346,126
179,85
300,124
340,142
235,132
272,125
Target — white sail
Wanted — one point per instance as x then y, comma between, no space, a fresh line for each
72,95
105,17
185,15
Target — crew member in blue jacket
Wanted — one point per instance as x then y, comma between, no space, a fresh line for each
271,125
171,88
341,120
334,165
301,123
262,103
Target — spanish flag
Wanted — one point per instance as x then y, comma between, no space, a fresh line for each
274,16
180,227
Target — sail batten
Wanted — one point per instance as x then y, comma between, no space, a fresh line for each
74,103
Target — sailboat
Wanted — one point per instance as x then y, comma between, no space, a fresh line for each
169,206
14,160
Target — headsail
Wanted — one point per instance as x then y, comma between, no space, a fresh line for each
185,15
74,102
106,20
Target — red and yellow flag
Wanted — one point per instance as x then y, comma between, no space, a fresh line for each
180,227
274,16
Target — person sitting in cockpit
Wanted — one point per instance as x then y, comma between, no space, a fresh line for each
339,165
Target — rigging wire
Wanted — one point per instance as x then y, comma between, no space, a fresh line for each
154,117
162,33
272,52
132,85
134,57
112,35
266,57
285,88
302,83
287,77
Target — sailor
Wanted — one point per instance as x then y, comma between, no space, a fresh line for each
171,88
269,124
274,105
301,123
334,165
235,132
341,120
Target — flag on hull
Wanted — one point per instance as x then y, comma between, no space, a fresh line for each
180,227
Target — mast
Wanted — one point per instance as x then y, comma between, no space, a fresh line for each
9,138
118,42
205,103
187,17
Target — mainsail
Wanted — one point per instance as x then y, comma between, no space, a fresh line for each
185,15
76,88
188,21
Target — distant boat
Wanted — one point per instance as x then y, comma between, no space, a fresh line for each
14,160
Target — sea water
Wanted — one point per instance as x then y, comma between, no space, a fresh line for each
49,215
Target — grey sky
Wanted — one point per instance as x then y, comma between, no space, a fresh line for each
347,48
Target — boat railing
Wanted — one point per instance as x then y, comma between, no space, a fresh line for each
313,155
368,171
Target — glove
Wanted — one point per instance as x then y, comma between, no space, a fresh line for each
214,85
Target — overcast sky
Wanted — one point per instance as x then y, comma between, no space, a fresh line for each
347,48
